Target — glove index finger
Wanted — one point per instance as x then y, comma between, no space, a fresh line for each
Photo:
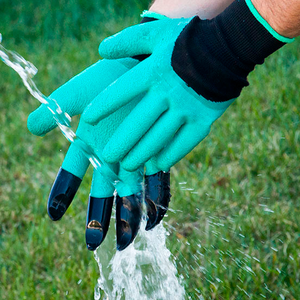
135,40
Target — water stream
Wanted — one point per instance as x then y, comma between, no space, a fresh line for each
145,270
27,71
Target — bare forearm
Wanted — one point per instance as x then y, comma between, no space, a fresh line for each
282,15
205,9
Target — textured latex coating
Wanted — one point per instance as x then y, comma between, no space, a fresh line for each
128,218
62,193
97,222
73,97
157,197
171,119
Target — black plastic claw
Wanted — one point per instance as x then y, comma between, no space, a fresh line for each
62,193
157,197
97,222
128,218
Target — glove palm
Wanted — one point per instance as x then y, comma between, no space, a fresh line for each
73,97
171,119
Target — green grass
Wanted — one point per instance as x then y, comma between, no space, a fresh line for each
244,211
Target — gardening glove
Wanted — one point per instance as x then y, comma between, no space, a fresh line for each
195,71
73,97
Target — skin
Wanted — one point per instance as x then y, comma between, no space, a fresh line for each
205,9
282,15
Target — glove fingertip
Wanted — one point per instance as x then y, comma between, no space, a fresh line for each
39,122
110,47
131,165
31,124
62,194
89,115
102,49
111,155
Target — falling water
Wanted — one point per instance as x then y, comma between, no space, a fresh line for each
26,71
145,270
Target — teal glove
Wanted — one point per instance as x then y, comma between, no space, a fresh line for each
73,97
171,119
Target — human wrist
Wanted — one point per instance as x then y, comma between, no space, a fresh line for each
279,16
270,20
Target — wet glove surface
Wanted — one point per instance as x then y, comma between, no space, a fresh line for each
195,70
171,119
73,97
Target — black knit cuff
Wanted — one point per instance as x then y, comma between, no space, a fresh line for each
214,57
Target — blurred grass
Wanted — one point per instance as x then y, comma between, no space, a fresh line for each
234,236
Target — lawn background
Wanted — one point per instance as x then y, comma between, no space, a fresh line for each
236,234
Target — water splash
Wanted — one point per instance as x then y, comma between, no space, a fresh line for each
145,270
27,71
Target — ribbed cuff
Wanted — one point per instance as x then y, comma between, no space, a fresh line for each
214,57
